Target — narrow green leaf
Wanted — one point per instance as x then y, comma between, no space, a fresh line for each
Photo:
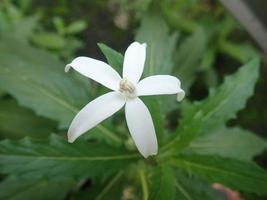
56,158
188,57
49,40
24,189
114,58
241,52
76,27
17,122
162,184
232,173
160,44
229,142
222,105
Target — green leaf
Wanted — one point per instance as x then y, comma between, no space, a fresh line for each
37,80
57,158
76,27
24,29
162,183
192,188
160,44
222,105
49,40
229,142
235,174
17,188
188,57
17,122
241,52
110,188
114,58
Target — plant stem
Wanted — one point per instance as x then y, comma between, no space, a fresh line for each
144,184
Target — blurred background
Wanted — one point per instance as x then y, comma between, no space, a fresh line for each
207,40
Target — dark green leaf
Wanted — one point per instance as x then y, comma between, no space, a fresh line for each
188,57
110,188
222,105
57,158
230,142
17,122
162,184
24,189
232,173
114,58
192,188
160,44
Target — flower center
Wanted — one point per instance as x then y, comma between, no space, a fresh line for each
127,88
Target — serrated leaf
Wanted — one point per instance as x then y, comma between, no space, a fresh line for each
188,57
221,105
37,80
162,183
192,188
17,122
16,188
235,174
114,58
229,142
57,158
160,44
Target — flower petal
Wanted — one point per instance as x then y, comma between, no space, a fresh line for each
96,70
160,85
141,127
134,61
95,112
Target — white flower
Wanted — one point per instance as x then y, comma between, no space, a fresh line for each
126,91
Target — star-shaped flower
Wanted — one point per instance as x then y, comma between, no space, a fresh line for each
126,91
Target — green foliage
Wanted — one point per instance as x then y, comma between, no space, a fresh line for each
56,158
162,183
221,106
114,58
16,188
49,40
229,142
26,122
191,188
160,44
37,79
188,57
232,173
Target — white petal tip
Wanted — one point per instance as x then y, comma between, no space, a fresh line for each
180,95
71,139
67,68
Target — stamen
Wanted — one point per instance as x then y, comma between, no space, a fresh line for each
127,88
